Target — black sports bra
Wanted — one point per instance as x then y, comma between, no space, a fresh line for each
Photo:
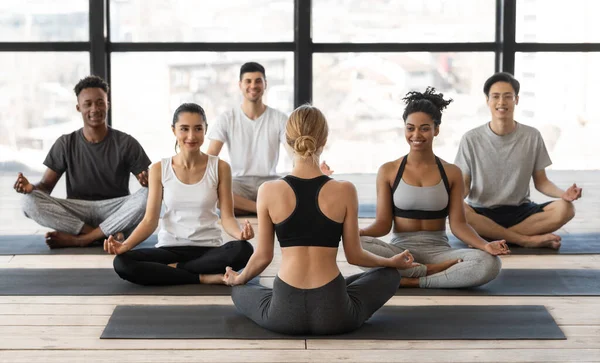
307,225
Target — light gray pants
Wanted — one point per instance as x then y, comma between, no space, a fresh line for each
70,215
477,267
247,186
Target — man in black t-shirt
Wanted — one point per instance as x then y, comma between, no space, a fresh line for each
97,161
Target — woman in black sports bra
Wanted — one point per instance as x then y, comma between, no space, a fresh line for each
310,212
417,193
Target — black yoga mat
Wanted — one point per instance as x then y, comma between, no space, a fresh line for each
36,245
526,282
389,323
571,244
89,282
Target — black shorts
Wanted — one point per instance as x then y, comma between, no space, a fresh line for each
510,215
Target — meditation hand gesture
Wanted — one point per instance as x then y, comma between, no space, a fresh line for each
114,247
231,278
22,185
496,248
325,169
143,178
572,194
247,232
404,260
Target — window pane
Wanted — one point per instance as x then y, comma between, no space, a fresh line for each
562,105
201,21
37,105
361,96
44,21
148,87
403,21
542,21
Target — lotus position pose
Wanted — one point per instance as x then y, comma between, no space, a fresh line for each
416,194
190,248
498,160
97,160
309,212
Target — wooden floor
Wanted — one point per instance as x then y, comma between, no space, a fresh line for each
67,328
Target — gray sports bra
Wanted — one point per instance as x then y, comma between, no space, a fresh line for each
421,202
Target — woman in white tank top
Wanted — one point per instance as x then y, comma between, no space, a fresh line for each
191,184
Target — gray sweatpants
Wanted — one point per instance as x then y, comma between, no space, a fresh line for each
339,306
70,215
477,268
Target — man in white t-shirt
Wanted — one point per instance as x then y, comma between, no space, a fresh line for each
252,132
498,160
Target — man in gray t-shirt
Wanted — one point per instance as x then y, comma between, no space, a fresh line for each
498,160
97,161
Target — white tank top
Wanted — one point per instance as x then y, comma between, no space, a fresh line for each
190,217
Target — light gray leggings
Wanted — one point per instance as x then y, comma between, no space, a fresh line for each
477,268
69,215
339,306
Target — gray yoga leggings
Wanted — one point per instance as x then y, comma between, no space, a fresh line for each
340,306
478,267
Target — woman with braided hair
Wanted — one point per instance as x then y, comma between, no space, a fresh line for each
416,194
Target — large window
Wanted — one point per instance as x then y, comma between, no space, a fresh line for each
559,96
361,95
202,21
403,21
148,87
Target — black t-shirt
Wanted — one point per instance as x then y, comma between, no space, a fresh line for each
97,171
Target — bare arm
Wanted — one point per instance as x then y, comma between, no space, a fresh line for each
46,185
148,225
355,254
383,217
458,220
230,224
214,148
263,255
467,185
545,186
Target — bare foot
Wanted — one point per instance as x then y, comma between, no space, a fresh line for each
216,279
434,268
57,239
174,265
549,240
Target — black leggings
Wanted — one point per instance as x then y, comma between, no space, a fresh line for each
149,266
339,306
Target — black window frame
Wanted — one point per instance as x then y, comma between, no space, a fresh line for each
100,46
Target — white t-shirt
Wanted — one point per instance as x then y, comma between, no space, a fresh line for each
253,144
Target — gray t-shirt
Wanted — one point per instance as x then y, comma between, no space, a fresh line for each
97,171
501,167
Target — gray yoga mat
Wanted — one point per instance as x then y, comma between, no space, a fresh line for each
526,282
571,244
61,282
89,282
389,323
36,245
